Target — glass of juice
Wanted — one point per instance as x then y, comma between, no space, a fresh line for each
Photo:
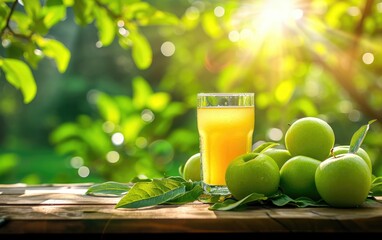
226,122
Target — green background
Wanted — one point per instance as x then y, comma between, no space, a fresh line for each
74,73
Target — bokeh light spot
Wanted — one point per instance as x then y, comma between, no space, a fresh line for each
141,142
345,106
275,134
117,138
192,13
108,127
92,96
368,58
162,151
167,49
38,52
219,11
354,11
234,36
112,156
120,23
354,115
76,162
99,44
6,43
83,171
123,31
147,115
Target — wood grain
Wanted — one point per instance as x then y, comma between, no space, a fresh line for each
59,209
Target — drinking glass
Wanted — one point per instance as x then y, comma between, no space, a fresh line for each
226,122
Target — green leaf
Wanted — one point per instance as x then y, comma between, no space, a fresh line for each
32,7
72,146
181,169
163,18
284,91
232,204
204,198
105,25
264,146
141,92
144,194
376,187
108,188
64,131
8,162
174,109
359,136
56,50
23,22
189,196
141,50
211,25
54,12
107,108
144,14
282,200
158,101
30,55
3,14
20,76
182,180
83,11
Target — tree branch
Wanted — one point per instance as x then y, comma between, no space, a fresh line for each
104,6
8,27
344,71
14,4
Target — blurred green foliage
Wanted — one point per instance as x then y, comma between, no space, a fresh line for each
106,90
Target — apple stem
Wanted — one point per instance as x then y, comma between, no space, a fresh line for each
332,153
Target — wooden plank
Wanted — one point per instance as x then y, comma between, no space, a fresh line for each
66,209
186,218
71,194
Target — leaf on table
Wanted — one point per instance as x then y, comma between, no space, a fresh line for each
189,196
283,199
359,136
209,199
232,204
193,189
144,194
108,189
376,187
177,178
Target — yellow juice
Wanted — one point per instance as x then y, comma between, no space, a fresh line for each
225,133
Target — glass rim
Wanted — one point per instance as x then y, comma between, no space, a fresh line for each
249,94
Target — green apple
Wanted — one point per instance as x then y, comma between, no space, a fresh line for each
343,181
337,150
297,177
311,137
279,155
252,173
192,168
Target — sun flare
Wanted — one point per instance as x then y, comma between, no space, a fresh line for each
275,14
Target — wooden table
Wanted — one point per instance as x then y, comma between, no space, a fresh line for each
65,210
